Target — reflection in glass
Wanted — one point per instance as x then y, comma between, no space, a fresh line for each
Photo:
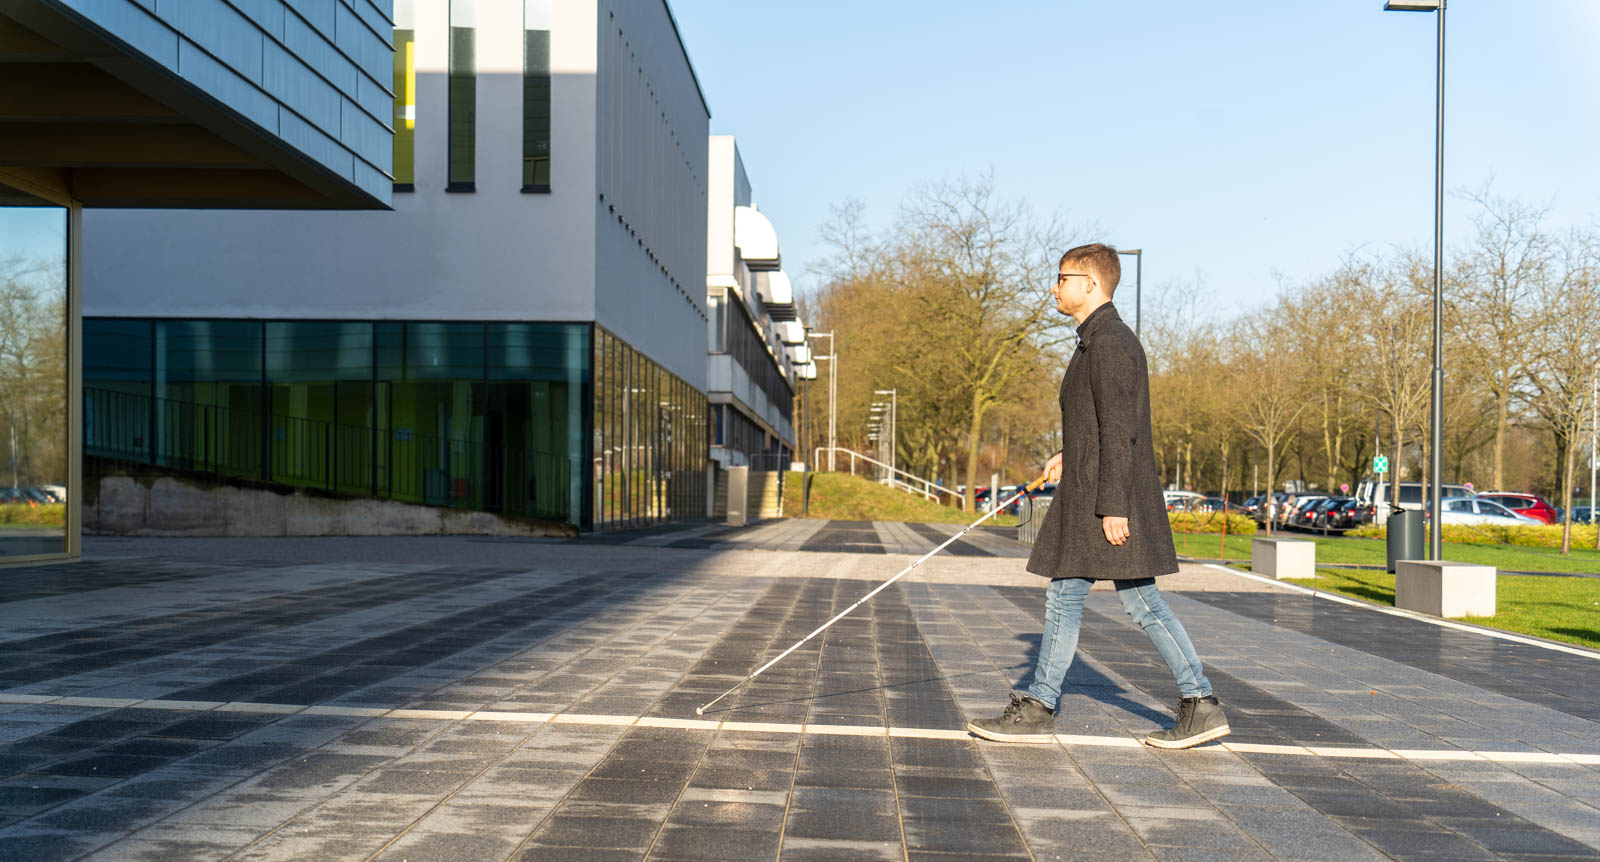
33,380
488,416
649,440
463,94
405,92
536,94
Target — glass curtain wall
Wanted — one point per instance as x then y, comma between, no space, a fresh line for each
471,415
650,440
405,95
536,95
321,396
33,381
208,396
463,83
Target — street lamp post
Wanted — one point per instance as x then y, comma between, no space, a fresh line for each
1436,407
1138,284
833,391
894,416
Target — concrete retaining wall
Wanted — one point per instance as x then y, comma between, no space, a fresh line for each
120,505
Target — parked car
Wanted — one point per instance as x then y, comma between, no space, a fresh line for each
1325,515
1353,515
11,495
1300,512
1476,512
1528,505
1251,504
1375,496
1582,514
1180,501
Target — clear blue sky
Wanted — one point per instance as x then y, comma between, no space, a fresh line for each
1231,140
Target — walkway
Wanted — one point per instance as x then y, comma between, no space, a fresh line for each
495,699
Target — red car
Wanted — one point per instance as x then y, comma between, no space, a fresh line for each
1528,505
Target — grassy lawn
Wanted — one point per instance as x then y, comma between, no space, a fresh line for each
841,496
1339,549
1563,609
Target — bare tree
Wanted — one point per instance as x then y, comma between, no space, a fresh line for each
1563,370
1508,266
1271,403
1396,326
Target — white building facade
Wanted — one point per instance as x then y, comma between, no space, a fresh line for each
756,342
513,337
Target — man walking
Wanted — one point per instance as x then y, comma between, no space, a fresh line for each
1107,519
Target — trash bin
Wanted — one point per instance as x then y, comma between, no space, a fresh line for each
1405,536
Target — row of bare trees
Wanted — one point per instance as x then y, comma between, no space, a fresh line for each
951,306
1327,374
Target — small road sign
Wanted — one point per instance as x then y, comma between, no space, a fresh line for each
1380,464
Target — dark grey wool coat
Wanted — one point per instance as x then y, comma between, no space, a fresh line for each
1108,464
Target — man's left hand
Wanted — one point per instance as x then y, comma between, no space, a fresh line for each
1116,530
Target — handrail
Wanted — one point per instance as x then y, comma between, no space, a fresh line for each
928,489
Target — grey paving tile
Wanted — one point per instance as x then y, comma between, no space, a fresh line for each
450,846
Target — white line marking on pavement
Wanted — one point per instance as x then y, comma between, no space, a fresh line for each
1396,612
1067,740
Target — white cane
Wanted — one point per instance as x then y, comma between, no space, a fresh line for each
1034,485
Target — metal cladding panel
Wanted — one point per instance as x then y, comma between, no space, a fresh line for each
282,64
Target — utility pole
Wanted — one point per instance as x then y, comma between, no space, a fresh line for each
833,392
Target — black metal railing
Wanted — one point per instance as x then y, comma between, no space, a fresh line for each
393,463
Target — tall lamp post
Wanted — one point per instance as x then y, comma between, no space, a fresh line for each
1436,407
833,390
878,419
1138,284
894,415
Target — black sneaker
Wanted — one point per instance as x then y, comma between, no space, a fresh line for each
1200,720
1025,720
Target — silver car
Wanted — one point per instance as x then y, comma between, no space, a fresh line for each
1478,512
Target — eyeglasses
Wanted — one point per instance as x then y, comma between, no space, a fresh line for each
1066,275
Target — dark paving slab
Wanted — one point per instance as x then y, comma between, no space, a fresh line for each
851,537
1398,807
1512,669
45,657
59,579
958,548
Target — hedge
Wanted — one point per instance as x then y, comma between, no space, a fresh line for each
1210,522
33,515
1527,536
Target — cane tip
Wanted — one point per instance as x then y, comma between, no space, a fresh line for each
699,710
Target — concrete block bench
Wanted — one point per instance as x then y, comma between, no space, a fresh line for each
1283,558
1444,589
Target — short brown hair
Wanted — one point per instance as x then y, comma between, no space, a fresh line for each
1099,258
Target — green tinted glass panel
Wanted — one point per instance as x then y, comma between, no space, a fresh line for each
536,93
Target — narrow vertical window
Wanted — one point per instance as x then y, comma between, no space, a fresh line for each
463,94
536,95
405,95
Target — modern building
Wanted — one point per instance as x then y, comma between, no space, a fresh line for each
117,103
757,343
520,335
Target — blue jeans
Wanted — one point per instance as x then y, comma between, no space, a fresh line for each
1063,615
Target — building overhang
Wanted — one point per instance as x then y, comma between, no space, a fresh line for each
756,239
86,117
